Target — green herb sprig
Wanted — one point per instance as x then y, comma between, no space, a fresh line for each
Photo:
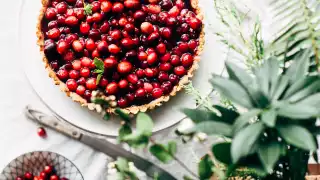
99,69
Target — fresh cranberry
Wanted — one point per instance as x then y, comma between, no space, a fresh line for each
148,87
94,34
180,4
165,67
85,72
71,21
122,102
194,23
130,97
103,82
102,46
70,12
166,4
54,65
124,67
54,177
84,28
110,62
115,34
81,81
161,48
153,37
104,27
117,7
90,45
91,84
106,6
171,21
43,174
74,74
146,28
42,132
186,60
174,79
80,14
112,88
192,44
95,6
28,175
123,84
154,9
77,46
166,87
52,24
180,70
51,13
174,11
140,73
132,78
97,17
76,65
62,47
139,15
163,76
114,49
157,93
152,58
62,7
48,169
142,56
149,73
69,55
62,74
185,37
85,61
127,42
95,53
19,178
61,20
175,60
140,93
183,47
72,84
80,90
131,3
166,32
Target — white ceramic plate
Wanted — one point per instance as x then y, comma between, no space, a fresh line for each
164,116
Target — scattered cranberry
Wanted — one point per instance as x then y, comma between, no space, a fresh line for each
42,132
146,28
112,88
91,84
124,67
72,84
117,7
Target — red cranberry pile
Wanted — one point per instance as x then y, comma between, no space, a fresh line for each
48,173
146,46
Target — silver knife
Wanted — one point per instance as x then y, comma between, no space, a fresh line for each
98,144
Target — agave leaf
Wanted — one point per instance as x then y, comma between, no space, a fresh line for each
222,152
300,84
227,115
244,140
312,88
282,84
198,115
300,66
269,117
213,128
313,100
232,91
269,155
283,7
245,118
238,74
297,111
298,136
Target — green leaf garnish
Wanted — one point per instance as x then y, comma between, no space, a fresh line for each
161,153
87,9
99,69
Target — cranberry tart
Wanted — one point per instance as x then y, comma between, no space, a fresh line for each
140,52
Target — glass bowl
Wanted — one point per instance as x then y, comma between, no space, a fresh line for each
35,162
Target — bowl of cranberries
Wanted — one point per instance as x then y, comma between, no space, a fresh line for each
41,165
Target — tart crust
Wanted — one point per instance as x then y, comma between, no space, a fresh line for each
132,109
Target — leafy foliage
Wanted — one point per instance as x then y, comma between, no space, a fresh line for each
124,172
298,24
279,105
88,9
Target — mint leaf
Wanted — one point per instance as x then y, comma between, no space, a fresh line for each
98,71
144,123
205,167
99,64
172,147
100,102
98,79
124,116
125,130
161,153
87,9
122,164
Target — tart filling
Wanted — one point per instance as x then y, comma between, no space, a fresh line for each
141,52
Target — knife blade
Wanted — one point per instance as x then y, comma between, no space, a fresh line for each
102,145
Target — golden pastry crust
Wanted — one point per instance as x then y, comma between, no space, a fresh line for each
132,109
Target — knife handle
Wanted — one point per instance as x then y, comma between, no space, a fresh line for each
51,122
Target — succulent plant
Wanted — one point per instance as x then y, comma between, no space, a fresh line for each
277,119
